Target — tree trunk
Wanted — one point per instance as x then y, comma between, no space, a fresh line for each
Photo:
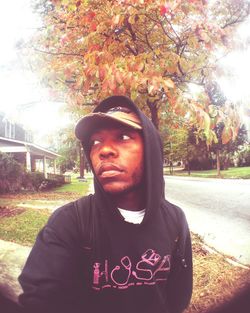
218,162
188,163
82,165
154,112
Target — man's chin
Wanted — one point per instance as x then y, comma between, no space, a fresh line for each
120,190
116,191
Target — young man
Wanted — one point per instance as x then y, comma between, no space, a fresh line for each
124,249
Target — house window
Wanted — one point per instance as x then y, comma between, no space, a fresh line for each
9,129
28,136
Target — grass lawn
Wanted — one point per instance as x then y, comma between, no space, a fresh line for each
22,215
75,186
233,172
23,228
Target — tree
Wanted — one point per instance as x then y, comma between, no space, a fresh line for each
67,147
149,50
225,124
187,147
189,144
228,150
243,156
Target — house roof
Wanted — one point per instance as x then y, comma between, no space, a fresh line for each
8,145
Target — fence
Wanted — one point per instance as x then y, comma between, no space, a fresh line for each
64,179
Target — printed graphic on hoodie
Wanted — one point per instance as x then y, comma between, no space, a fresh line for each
150,269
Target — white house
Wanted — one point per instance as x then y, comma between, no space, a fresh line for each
16,140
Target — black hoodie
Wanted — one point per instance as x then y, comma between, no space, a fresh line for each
88,259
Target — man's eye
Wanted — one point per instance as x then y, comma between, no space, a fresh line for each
125,137
95,142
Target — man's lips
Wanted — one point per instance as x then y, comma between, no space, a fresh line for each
108,170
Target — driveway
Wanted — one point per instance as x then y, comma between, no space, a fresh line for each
216,209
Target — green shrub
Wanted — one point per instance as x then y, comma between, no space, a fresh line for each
14,178
244,157
32,180
11,174
48,184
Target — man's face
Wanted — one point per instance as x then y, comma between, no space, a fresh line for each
117,158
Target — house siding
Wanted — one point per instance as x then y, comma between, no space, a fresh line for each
14,130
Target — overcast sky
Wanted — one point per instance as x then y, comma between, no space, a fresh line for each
22,98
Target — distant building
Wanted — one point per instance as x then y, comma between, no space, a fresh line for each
14,139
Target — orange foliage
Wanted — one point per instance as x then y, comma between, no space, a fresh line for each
134,47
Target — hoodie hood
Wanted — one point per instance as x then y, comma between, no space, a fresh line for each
153,160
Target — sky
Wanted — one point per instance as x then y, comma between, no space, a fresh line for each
22,98
25,101
236,85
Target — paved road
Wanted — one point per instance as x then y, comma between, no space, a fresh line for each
217,209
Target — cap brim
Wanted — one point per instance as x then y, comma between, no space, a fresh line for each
87,124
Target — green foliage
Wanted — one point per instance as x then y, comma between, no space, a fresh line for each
67,146
48,184
183,143
14,178
244,156
189,146
32,180
228,150
11,174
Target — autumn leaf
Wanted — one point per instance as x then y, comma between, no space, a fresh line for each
207,123
78,3
93,26
116,19
168,83
226,135
140,66
118,77
68,73
193,42
122,90
164,9
102,72
212,110
151,88
112,83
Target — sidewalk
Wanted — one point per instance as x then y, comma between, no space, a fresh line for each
12,260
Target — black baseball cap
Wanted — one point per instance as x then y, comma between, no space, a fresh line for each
114,108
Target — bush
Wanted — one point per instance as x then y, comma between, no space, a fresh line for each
11,174
32,180
200,164
49,184
244,157
14,178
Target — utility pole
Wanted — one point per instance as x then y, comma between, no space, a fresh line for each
82,163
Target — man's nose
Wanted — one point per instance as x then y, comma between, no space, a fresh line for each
107,151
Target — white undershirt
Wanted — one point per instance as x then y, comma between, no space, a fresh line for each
134,217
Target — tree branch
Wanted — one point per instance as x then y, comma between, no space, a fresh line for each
171,26
59,53
237,19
